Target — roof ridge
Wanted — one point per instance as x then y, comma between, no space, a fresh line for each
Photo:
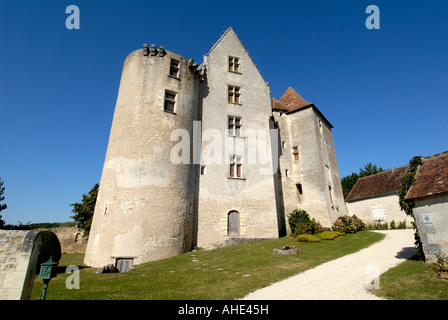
385,171
220,38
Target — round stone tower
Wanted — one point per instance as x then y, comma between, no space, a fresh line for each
144,209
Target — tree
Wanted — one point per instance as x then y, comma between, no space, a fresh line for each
349,181
2,206
369,169
84,210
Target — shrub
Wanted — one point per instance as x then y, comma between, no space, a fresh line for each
300,223
393,225
298,218
402,224
360,225
329,235
348,224
307,238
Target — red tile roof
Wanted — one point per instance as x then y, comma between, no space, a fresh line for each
432,177
383,183
289,101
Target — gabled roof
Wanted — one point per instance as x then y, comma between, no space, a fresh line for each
229,29
432,177
291,102
380,184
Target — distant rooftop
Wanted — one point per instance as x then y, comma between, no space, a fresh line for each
432,177
383,183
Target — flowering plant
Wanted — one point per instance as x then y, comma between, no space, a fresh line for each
288,247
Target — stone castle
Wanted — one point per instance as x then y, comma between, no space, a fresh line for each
200,155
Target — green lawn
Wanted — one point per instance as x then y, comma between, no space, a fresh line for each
412,280
223,274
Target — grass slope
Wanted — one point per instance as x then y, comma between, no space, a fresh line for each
223,274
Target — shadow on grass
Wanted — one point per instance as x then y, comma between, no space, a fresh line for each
406,253
62,269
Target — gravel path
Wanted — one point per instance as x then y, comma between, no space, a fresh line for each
345,278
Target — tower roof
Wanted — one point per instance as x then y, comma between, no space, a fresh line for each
291,102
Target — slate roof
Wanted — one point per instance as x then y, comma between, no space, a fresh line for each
383,183
432,177
291,102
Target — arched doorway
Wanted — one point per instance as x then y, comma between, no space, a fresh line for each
233,223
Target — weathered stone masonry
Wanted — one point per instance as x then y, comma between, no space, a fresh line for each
150,208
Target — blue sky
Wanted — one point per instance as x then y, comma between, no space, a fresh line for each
385,91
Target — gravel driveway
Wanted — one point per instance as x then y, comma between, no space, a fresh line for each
345,278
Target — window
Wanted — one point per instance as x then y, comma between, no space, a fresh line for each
234,64
234,95
295,152
235,167
174,68
283,144
234,126
286,173
299,191
170,101
203,171
233,223
331,196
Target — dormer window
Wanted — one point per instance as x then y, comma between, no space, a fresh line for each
234,64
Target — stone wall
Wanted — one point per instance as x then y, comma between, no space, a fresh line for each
251,195
70,238
19,253
145,200
431,215
388,204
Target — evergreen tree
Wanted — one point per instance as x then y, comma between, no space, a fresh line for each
369,169
349,181
84,210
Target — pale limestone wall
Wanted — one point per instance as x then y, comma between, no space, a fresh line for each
389,204
434,233
253,197
315,170
149,208
70,238
144,208
337,206
19,252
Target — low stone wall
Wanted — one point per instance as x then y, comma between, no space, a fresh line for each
19,253
70,238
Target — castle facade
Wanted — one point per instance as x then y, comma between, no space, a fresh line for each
200,155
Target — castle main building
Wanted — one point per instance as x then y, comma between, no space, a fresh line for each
200,155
